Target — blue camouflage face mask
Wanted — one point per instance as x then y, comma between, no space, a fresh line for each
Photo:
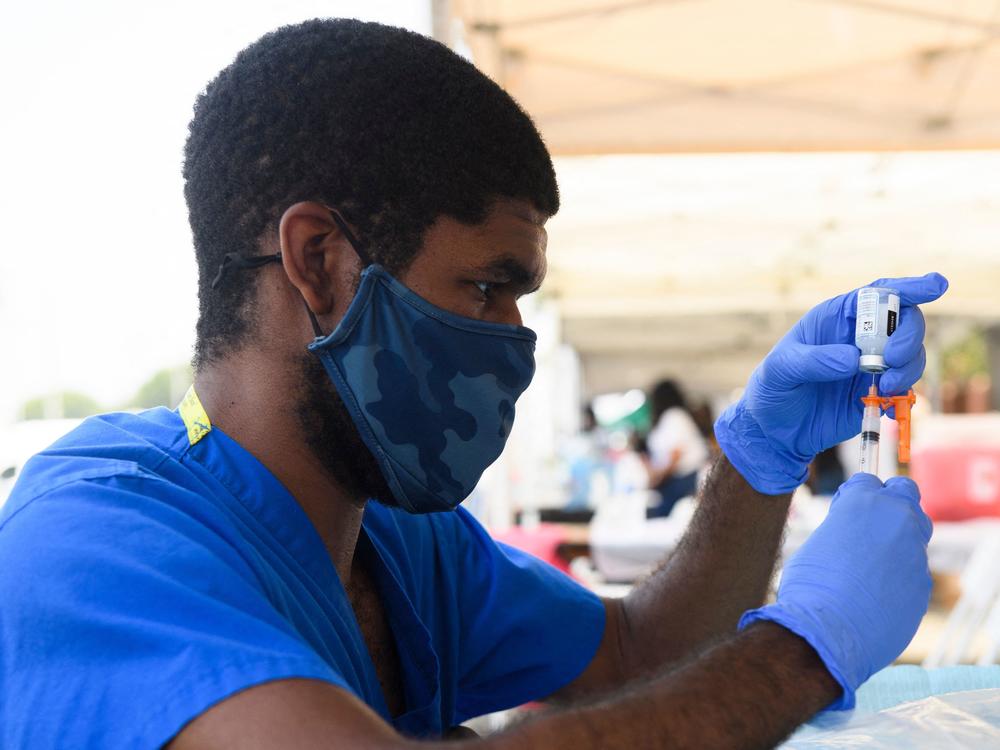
431,393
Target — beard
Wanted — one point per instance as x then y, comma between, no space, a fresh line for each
333,439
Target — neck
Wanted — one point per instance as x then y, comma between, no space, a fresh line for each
253,402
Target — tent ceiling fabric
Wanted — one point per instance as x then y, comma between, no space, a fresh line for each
607,76
695,265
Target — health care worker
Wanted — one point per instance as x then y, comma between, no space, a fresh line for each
283,561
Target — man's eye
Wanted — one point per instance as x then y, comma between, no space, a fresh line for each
486,287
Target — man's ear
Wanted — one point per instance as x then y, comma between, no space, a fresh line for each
315,253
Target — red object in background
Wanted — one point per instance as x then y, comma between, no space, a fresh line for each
958,483
542,541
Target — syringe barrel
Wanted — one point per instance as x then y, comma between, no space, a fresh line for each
871,420
870,435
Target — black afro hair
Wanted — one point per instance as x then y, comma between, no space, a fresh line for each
392,128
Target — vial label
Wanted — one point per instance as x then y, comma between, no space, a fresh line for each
892,314
867,312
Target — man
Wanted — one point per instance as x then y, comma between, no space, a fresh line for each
281,562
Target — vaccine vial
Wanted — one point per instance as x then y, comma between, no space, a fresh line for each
878,315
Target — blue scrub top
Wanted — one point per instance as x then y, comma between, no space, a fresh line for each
150,568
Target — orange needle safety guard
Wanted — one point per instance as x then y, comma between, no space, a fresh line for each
902,405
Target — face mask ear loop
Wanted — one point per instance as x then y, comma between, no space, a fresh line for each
235,260
366,259
362,254
312,319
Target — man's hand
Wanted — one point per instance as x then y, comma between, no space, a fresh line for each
857,589
806,395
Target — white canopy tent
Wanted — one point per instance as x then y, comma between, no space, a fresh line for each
618,76
694,265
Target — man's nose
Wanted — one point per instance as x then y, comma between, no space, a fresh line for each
512,314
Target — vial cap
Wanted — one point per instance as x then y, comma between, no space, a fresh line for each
872,363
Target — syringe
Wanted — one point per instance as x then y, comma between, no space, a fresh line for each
870,431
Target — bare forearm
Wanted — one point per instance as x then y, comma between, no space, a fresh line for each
720,569
749,692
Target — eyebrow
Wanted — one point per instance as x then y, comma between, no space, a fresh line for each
523,279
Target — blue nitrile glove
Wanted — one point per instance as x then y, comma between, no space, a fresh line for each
858,587
805,396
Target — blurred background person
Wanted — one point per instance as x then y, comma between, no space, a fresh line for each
675,449
586,454
704,419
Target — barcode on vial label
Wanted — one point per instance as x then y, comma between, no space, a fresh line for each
867,312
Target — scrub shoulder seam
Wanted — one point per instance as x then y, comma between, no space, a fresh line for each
116,468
